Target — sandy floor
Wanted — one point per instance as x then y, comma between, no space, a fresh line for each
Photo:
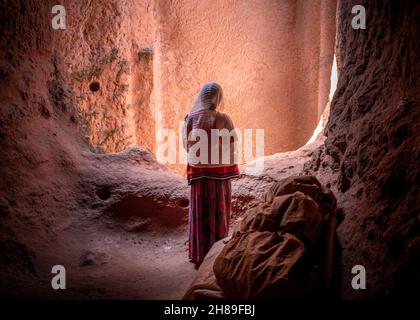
103,263
127,242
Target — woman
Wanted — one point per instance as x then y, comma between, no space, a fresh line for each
209,170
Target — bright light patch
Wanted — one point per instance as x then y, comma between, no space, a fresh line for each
333,86
333,78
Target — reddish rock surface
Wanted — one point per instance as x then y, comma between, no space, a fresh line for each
150,59
117,221
372,153
60,202
242,46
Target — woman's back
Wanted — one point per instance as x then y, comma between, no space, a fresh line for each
208,175
215,143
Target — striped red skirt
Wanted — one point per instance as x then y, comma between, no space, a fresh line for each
209,214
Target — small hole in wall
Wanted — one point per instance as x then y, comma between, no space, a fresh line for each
183,203
94,86
103,193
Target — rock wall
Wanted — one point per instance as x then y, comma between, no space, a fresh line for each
107,49
137,66
52,187
61,203
273,60
372,150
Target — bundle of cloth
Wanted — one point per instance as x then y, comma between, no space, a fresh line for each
282,249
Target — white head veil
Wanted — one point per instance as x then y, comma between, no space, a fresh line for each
209,97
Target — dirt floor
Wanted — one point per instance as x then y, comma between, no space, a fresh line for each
104,263
122,235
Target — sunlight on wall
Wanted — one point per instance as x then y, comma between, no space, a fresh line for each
333,82
322,121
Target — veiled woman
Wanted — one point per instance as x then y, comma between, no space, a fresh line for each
210,141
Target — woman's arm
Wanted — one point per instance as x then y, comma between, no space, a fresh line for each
225,122
186,129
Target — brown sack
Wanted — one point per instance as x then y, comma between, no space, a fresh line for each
264,258
302,218
257,265
308,185
294,213
260,218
